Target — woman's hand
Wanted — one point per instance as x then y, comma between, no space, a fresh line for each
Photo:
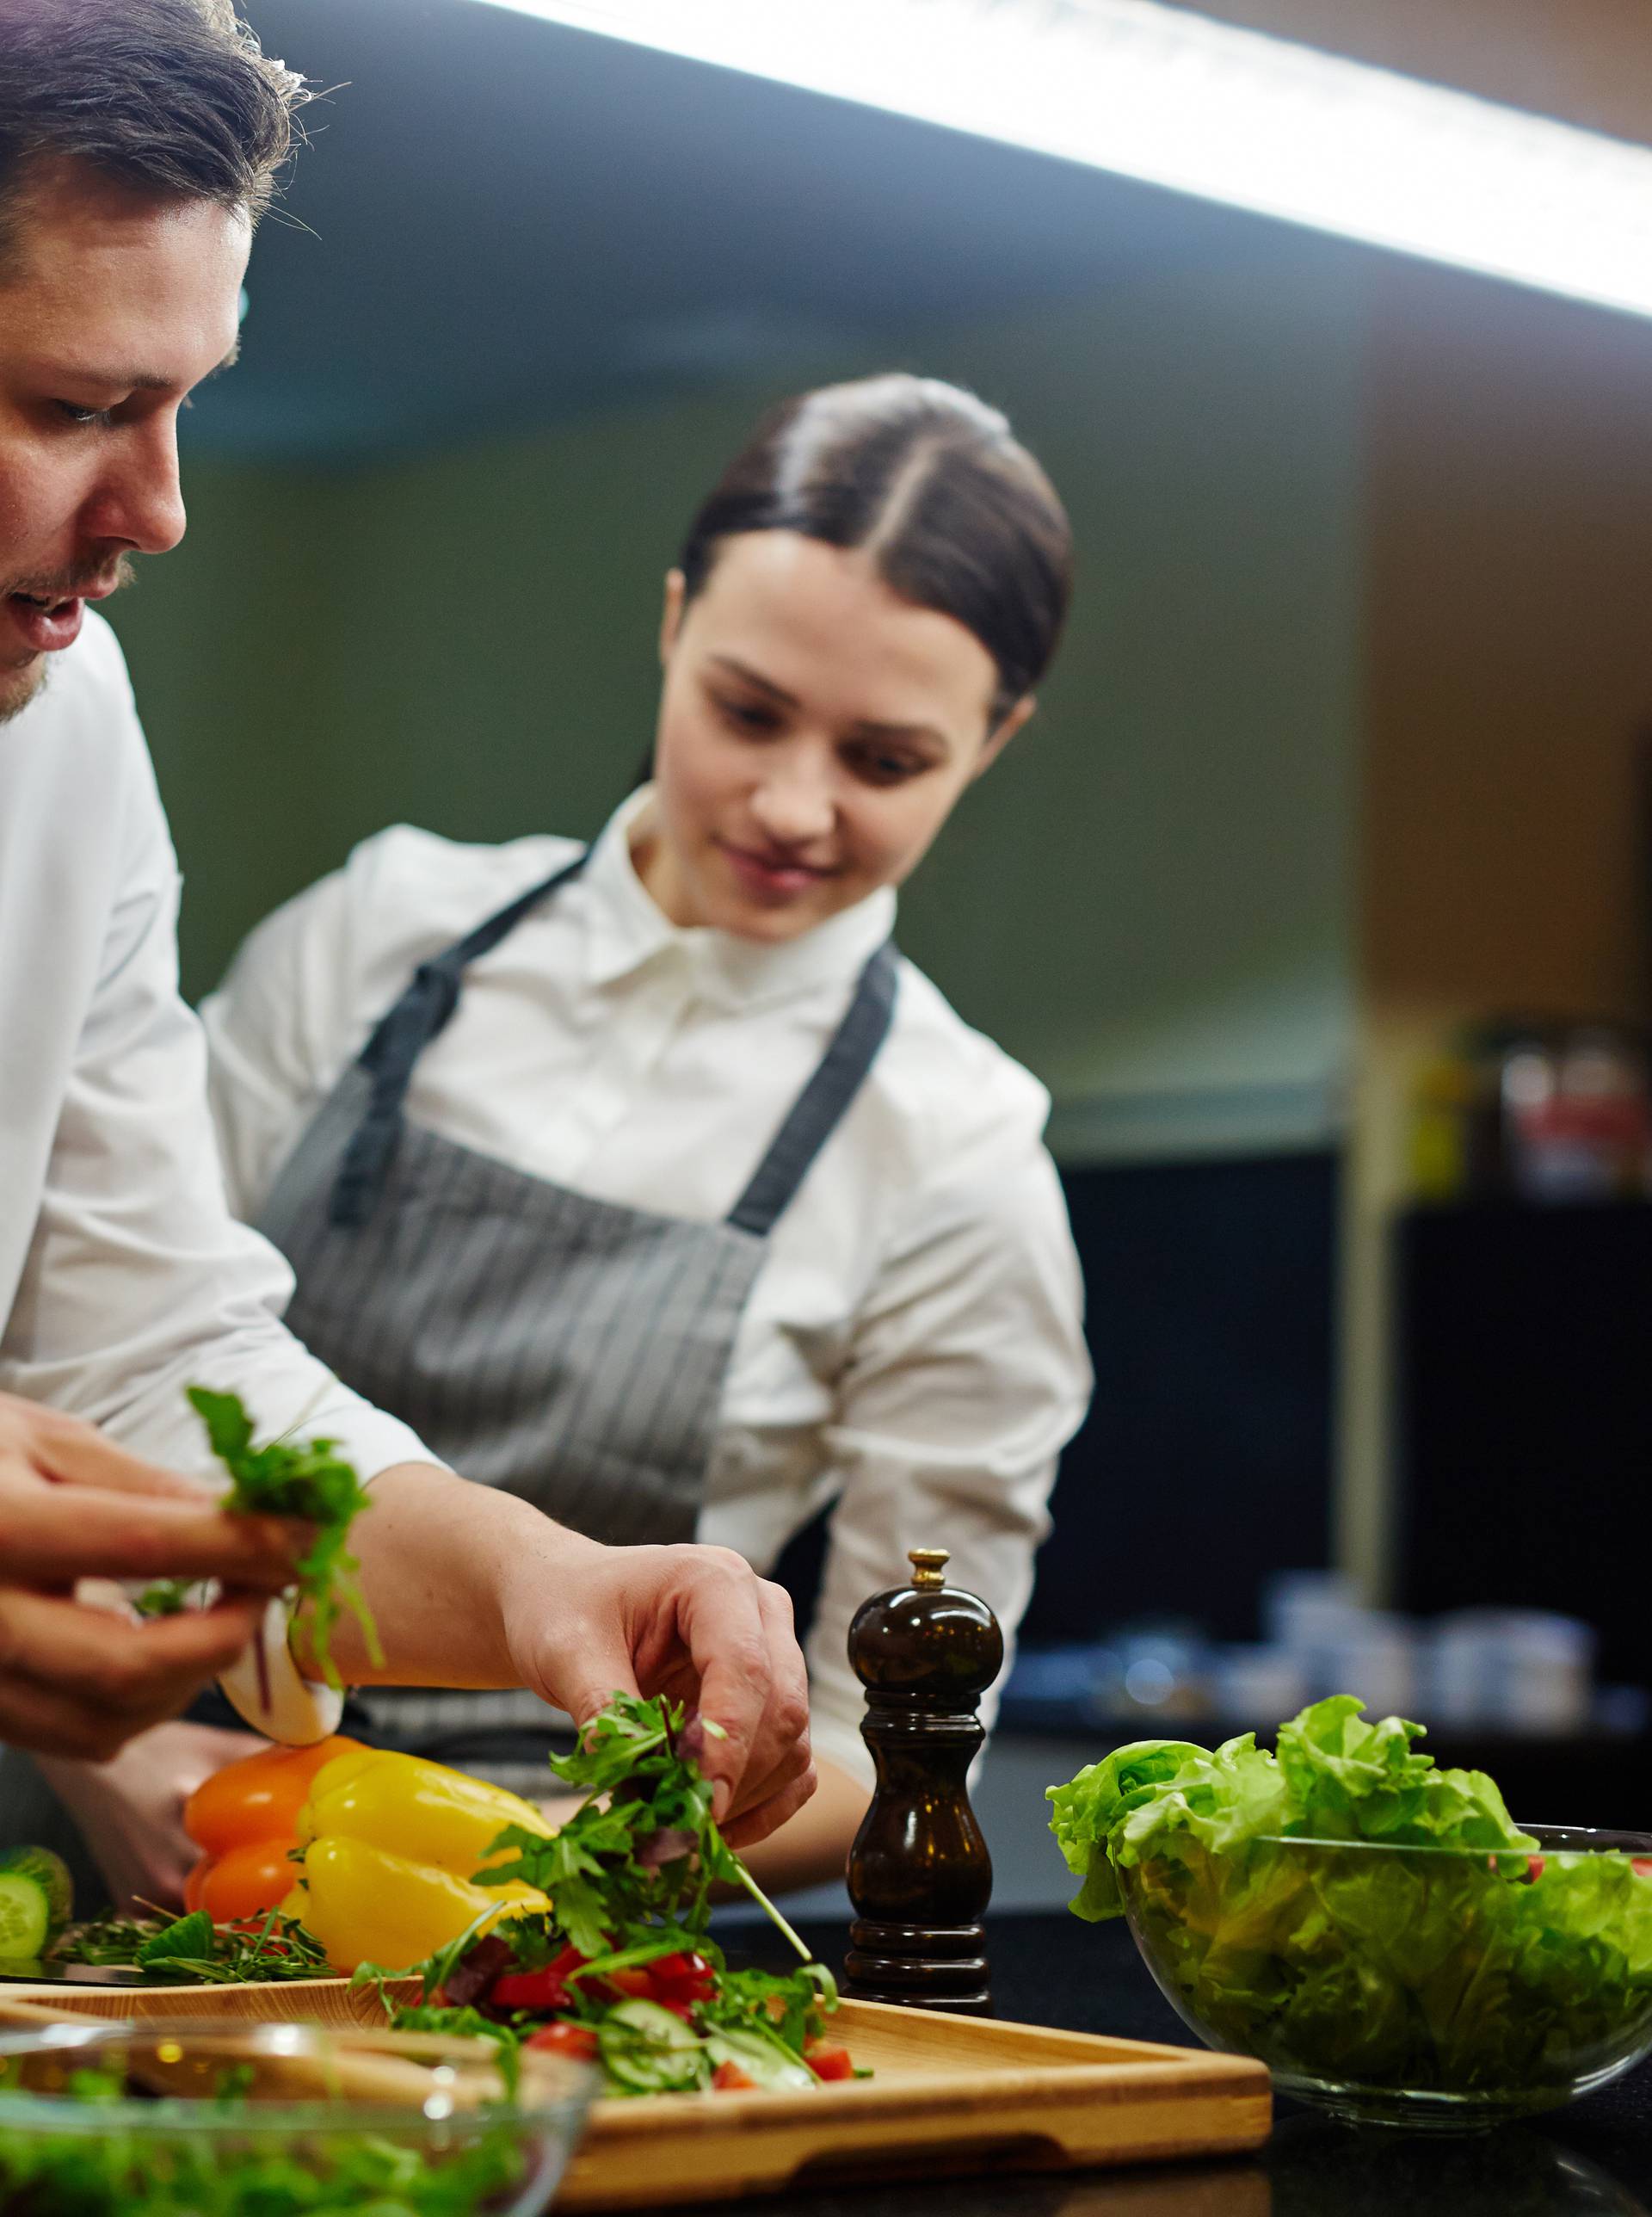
81,1681
130,1810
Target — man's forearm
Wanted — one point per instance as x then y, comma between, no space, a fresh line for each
471,1587
438,1553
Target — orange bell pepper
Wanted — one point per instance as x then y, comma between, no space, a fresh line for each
245,1819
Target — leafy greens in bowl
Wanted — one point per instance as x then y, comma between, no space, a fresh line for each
1376,1930
227,2118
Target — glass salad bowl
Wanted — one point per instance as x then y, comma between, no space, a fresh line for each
1443,1987
220,2117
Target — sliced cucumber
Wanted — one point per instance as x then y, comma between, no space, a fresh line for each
663,2027
650,2049
36,1898
767,2062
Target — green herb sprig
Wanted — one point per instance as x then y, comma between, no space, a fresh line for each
194,1948
304,1480
644,1846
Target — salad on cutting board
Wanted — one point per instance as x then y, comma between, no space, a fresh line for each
612,1958
592,1939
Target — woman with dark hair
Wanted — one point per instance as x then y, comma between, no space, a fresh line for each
645,1179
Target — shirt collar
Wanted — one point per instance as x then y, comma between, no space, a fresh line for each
625,930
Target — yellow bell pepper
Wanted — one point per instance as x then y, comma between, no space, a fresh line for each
390,1843
368,1905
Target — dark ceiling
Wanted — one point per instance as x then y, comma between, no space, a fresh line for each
501,222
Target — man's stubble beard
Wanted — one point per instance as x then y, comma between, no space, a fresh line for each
21,688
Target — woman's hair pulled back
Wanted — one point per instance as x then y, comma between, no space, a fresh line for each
953,511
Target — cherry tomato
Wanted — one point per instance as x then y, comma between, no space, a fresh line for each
829,2061
673,1970
729,2078
683,1978
563,2038
541,1990
677,2009
241,1881
258,1798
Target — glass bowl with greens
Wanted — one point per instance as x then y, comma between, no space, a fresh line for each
1374,1929
222,2117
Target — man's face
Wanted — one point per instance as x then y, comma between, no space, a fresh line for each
112,305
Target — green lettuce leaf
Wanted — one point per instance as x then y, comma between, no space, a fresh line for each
1470,1971
1350,1780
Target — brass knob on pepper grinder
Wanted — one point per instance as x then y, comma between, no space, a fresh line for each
919,1876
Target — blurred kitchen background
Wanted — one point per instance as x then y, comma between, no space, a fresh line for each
1320,894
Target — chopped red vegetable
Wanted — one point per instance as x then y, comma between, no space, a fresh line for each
683,1978
828,2060
529,1989
729,2078
577,2040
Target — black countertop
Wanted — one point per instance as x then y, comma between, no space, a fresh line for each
1592,2159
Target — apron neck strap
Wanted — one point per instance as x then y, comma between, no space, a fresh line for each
401,1036
489,933
423,1010
820,1106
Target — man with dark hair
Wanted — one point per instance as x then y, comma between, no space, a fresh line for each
139,141
174,98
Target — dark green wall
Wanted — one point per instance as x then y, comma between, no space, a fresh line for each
1151,895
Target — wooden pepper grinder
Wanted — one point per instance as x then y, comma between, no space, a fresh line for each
919,1876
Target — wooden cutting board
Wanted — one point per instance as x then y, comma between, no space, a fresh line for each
308,2001
948,2094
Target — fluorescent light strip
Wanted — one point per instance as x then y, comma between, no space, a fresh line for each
1150,91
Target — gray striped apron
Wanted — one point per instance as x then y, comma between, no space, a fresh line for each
567,1349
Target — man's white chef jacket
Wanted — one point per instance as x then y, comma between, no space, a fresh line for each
123,1277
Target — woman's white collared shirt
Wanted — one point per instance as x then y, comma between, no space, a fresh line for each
914,1342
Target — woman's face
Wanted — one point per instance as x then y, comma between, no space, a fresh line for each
815,731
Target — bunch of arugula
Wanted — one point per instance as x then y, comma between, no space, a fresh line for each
304,1480
631,1873
643,1851
194,1948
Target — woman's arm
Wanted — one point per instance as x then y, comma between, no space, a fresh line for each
813,1849
968,1372
968,1375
